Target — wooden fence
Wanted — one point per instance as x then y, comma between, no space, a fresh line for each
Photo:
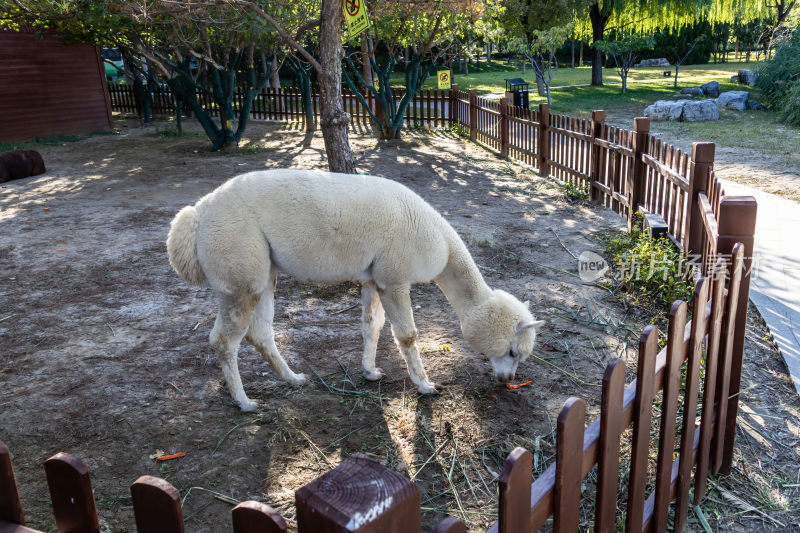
627,171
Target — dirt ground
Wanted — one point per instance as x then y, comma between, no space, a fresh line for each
104,351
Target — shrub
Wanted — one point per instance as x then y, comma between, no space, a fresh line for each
574,193
779,79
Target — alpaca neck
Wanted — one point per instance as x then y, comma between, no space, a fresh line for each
461,281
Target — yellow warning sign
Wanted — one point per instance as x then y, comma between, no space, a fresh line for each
355,14
444,79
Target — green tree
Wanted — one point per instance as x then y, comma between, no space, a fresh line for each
624,50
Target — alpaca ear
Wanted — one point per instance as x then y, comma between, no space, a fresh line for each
537,325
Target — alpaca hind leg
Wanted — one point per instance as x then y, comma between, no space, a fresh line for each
261,335
397,303
232,321
372,320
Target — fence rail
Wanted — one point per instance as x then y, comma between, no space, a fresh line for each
627,171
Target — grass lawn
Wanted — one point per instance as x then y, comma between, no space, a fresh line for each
492,79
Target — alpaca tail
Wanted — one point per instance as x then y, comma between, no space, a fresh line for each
182,246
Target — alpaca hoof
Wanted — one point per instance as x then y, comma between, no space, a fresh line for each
373,375
248,406
298,379
428,388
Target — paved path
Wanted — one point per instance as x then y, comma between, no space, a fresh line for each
775,290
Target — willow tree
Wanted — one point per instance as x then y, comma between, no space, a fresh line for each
650,16
428,27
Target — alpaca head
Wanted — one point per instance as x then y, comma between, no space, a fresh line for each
503,329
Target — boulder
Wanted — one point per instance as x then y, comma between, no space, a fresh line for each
683,110
735,78
752,104
734,100
748,77
700,111
658,62
694,91
711,89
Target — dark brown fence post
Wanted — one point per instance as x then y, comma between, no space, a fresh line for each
641,131
737,223
611,428
569,461
505,104
452,112
157,506
514,488
642,416
473,115
10,507
255,517
544,139
690,395
71,494
450,525
359,494
598,118
699,170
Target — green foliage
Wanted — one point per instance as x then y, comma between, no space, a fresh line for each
779,79
672,44
575,193
649,271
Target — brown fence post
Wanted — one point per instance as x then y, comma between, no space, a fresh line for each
71,494
544,139
504,110
514,488
737,223
569,461
611,428
255,517
473,115
10,507
157,506
450,525
359,495
641,130
453,110
598,119
700,167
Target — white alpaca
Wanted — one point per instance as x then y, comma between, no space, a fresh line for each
327,228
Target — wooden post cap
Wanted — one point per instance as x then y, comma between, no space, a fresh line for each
359,495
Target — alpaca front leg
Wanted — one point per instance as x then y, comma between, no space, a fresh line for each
229,329
261,335
372,320
397,303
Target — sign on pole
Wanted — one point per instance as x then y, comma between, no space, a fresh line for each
444,79
355,14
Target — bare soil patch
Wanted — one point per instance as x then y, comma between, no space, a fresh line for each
104,351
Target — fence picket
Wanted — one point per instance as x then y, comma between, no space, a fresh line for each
71,494
643,413
695,352
10,507
450,525
709,389
255,517
514,489
157,506
676,352
608,454
569,462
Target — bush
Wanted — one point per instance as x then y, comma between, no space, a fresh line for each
779,80
649,271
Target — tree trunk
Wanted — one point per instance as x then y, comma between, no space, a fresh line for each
540,88
333,120
599,22
572,50
580,55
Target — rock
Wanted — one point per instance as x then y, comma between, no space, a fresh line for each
679,96
735,78
659,62
748,77
752,104
700,111
683,110
734,100
694,91
711,89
